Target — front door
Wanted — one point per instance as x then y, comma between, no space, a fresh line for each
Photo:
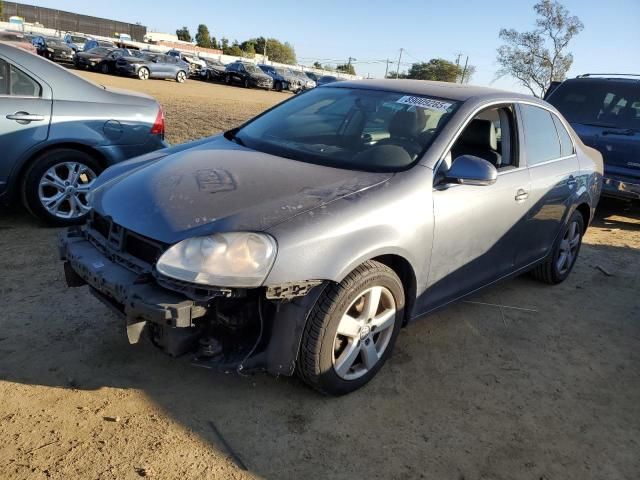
25,113
477,228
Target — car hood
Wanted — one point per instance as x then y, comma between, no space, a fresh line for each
218,186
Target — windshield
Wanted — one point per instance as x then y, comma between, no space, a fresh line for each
601,103
75,39
55,42
251,68
99,51
350,128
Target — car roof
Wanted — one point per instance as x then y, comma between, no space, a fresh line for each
452,91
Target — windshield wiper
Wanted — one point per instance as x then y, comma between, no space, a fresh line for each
622,131
596,124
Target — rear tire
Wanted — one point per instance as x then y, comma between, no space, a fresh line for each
351,330
278,86
558,265
39,184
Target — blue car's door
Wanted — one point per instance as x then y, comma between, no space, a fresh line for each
25,113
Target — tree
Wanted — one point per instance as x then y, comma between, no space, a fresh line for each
1,17
224,44
346,68
250,50
214,43
203,38
317,64
538,57
234,50
435,69
183,34
276,50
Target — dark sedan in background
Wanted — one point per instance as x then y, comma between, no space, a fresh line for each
247,75
146,65
214,70
101,59
53,49
58,131
283,79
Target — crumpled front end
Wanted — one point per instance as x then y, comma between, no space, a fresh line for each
225,328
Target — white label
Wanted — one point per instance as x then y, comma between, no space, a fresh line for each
98,265
427,103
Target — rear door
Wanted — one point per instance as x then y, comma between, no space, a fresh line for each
554,172
25,114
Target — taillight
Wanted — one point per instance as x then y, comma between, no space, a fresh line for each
158,125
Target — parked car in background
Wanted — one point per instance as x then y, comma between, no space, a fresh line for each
58,131
146,65
195,64
247,75
100,59
604,110
325,79
306,238
283,78
312,76
19,40
214,70
305,82
92,43
75,41
53,48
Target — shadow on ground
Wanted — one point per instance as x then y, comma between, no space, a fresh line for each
475,391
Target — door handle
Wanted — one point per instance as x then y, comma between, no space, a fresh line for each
25,118
521,195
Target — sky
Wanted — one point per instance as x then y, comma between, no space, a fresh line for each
372,31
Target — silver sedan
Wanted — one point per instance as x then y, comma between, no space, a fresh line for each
306,238
58,131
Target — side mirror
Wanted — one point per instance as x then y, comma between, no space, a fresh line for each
470,170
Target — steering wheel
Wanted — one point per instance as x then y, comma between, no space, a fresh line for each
412,147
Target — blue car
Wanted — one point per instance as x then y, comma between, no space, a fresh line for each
146,65
604,110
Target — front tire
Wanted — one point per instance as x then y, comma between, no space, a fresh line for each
143,73
181,76
104,68
56,185
558,265
245,83
351,330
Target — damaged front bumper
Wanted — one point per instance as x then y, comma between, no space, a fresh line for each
227,329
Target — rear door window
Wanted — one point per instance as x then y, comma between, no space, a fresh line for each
566,144
541,138
15,82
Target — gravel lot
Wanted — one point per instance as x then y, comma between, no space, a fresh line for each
475,391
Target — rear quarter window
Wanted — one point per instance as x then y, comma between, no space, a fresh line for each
541,138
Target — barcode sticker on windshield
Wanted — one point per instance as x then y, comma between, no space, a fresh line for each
427,103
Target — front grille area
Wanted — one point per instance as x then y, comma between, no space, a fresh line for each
131,250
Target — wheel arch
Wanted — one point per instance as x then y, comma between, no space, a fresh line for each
585,211
407,275
18,177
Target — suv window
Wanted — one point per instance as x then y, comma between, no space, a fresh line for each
566,144
15,82
606,103
541,138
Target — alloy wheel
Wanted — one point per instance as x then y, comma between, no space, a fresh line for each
63,189
364,332
143,74
181,77
568,248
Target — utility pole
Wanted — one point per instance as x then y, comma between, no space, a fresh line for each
399,59
458,58
464,70
264,51
386,69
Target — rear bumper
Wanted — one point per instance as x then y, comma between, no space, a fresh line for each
621,187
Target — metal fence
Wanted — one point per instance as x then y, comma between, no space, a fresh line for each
73,22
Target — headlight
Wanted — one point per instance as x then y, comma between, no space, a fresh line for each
49,49
237,259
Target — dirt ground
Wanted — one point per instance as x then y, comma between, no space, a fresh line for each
473,392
